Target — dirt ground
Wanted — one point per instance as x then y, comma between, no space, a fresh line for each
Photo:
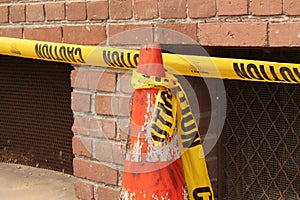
29,183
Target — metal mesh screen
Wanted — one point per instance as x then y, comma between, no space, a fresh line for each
261,141
35,113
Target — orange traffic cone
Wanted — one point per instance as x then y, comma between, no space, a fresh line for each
151,172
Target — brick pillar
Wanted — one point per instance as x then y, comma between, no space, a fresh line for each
101,104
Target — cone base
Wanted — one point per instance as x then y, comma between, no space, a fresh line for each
165,183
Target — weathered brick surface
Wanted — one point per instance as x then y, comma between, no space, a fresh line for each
11,32
145,9
97,10
234,34
201,8
35,12
98,128
17,13
120,9
3,14
81,102
84,190
88,34
266,7
127,34
51,34
109,151
94,80
76,11
55,11
177,33
172,9
106,193
291,7
95,171
112,105
125,83
232,7
82,146
8,1
123,129
284,34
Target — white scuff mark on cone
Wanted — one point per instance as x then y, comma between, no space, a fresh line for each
136,154
148,102
126,195
185,193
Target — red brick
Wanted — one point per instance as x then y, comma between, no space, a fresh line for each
232,7
95,171
84,190
178,33
130,34
52,34
125,83
123,129
55,11
94,80
173,9
109,152
291,7
82,146
120,9
8,1
103,104
89,34
11,32
17,13
233,34
266,7
145,9
3,14
73,77
201,8
107,82
97,10
76,11
81,102
112,105
107,193
284,34
35,12
101,128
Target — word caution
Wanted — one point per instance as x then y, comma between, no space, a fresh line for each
120,59
59,53
270,73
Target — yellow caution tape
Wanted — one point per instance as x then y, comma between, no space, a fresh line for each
172,109
187,65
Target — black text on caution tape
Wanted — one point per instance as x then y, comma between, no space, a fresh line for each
267,72
59,53
162,120
120,59
190,135
202,193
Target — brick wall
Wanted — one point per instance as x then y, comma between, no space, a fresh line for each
101,105
261,23
100,126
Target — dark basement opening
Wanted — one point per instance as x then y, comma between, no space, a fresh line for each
35,113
